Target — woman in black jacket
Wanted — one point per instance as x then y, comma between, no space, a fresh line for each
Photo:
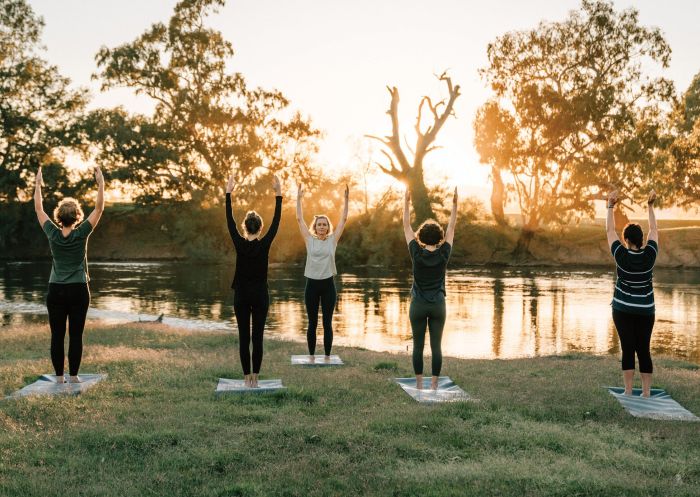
251,297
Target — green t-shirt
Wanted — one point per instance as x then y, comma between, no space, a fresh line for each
69,253
429,271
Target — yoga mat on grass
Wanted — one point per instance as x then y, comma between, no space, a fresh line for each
227,386
659,405
447,390
46,385
316,360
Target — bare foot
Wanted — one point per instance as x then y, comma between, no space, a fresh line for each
254,381
434,383
312,359
327,358
646,395
628,393
60,379
74,379
247,381
419,382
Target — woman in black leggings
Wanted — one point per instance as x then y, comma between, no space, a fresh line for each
321,242
633,301
430,251
251,297
68,296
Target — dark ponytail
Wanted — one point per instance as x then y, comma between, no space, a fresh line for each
633,233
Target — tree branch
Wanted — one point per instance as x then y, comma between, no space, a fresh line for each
384,141
426,139
394,142
393,171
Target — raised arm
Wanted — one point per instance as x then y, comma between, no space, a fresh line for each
300,215
610,219
96,213
450,234
230,222
343,216
270,235
653,230
407,230
38,202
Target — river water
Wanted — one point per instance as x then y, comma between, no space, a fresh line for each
492,312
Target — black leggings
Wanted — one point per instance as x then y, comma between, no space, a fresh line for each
433,315
323,292
634,331
67,300
249,302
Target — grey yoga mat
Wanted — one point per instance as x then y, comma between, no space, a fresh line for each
226,386
316,360
659,405
447,390
46,385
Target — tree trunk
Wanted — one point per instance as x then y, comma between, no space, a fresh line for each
420,197
498,197
521,253
621,219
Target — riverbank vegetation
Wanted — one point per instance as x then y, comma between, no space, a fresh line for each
185,231
539,427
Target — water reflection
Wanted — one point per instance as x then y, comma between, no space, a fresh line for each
492,313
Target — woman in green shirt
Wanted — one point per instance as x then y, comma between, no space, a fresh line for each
430,249
68,296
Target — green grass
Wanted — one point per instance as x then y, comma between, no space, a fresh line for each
541,427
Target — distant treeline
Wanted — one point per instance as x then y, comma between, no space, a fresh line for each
188,232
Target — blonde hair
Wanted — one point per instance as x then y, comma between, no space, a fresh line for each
312,226
68,212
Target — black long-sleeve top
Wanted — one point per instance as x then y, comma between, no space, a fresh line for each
252,255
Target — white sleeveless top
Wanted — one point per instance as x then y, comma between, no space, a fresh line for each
320,257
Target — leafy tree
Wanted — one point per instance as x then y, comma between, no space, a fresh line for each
38,109
576,112
681,181
138,153
205,118
689,110
495,137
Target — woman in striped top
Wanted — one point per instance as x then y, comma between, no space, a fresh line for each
633,300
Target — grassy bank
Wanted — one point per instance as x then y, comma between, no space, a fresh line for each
541,427
185,232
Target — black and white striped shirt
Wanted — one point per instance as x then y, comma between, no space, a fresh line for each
634,292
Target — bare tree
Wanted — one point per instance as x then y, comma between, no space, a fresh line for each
399,165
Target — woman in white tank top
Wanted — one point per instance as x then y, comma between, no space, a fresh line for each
321,241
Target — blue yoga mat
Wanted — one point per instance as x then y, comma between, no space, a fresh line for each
447,390
659,405
227,386
46,385
317,360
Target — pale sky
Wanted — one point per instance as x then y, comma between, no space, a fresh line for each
333,59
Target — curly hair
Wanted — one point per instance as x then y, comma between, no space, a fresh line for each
633,232
430,232
253,223
312,226
68,212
